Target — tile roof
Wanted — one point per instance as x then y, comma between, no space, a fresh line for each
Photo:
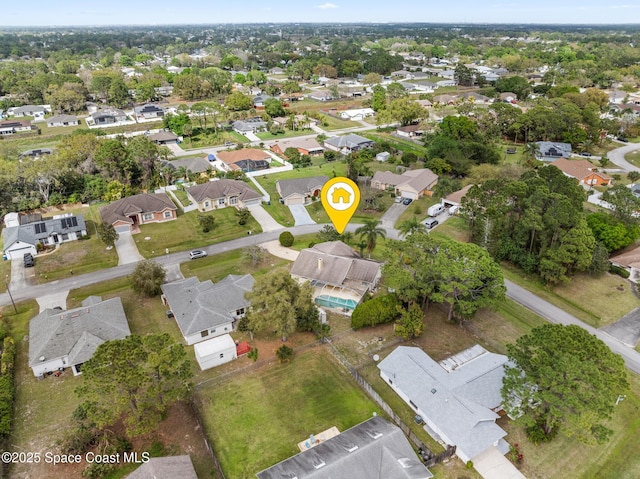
374,449
579,169
201,305
456,196
222,189
310,144
76,332
123,209
457,395
233,156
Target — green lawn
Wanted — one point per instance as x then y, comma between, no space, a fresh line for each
405,146
597,301
220,265
211,138
265,135
185,233
182,196
633,158
417,208
255,420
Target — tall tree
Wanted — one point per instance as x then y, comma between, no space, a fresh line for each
370,231
563,380
148,277
137,379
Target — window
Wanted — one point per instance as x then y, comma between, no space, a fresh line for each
233,200
147,216
221,355
221,201
206,204
65,237
204,333
239,312
168,214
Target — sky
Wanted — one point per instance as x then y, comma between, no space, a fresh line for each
163,12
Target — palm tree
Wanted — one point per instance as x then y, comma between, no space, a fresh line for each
369,233
411,226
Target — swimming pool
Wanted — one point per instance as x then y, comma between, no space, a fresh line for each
335,302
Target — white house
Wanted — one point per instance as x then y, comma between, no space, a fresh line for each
204,310
357,114
60,339
458,398
215,351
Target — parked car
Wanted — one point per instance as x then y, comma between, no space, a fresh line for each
511,151
431,223
585,153
197,253
407,201
622,139
28,260
398,199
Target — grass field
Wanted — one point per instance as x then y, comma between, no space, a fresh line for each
163,235
220,265
265,135
633,158
255,420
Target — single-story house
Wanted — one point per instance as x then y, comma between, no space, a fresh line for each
62,120
348,143
164,138
383,156
222,193
204,310
373,449
584,171
424,103
306,146
60,339
458,398
629,260
551,149
195,164
246,159
320,95
128,213
339,275
410,184
508,97
167,467
410,131
299,191
258,100
215,351
9,127
455,198
251,125
106,116
149,111
357,114
445,99
476,97
164,90
36,111
24,238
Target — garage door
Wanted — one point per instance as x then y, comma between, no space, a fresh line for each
295,200
19,252
409,194
123,229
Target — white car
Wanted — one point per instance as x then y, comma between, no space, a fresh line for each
198,253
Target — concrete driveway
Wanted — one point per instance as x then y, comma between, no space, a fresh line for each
267,223
301,216
20,276
50,301
127,249
626,329
491,464
392,214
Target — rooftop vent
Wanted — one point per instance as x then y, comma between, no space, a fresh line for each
434,390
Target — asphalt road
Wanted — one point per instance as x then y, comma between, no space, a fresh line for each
617,156
555,315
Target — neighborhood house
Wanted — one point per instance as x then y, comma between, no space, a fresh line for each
410,184
204,310
60,339
62,120
246,159
300,191
340,277
9,127
34,230
348,143
149,111
306,146
127,214
222,193
584,171
548,149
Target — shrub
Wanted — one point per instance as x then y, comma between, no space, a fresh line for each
253,354
378,310
613,269
286,239
284,353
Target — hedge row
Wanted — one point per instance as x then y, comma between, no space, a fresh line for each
379,310
619,271
7,391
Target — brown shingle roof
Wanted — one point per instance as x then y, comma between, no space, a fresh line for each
456,196
221,189
121,210
234,156
579,169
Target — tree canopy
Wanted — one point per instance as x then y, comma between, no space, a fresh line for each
563,380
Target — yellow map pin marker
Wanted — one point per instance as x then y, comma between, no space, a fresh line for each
340,198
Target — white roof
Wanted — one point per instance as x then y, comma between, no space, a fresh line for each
214,345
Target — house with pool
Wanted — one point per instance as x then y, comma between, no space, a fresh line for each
339,275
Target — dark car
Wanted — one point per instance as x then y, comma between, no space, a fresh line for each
198,253
407,201
622,139
511,151
28,260
585,153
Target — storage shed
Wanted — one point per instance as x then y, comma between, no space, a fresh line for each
216,351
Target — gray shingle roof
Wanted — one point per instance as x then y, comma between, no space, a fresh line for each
349,141
32,233
459,398
374,449
169,467
201,305
221,189
121,210
302,186
335,263
62,119
76,332
554,149
196,164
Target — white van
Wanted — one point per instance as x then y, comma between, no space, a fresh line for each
435,210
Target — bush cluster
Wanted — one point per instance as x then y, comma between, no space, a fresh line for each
7,390
378,310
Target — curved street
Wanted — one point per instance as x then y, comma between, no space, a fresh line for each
617,156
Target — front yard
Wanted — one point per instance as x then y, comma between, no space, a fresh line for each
185,232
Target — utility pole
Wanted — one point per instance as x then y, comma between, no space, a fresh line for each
6,281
